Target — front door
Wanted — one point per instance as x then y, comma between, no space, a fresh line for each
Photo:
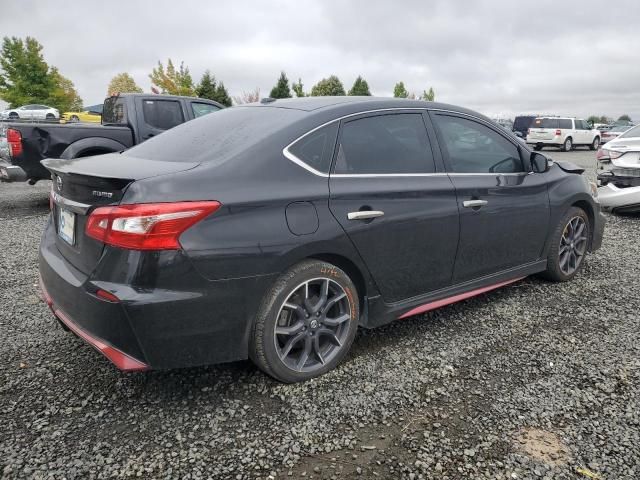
504,209
397,207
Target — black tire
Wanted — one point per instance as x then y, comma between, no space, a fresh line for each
558,250
595,144
74,119
567,145
50,116
13,116
537,148
267,348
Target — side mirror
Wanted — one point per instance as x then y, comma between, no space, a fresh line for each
518,134
539,163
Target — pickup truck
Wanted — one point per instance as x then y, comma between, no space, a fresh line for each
127,119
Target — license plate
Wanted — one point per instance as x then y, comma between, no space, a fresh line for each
67,226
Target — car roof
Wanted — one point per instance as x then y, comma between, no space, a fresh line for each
161,96
348,104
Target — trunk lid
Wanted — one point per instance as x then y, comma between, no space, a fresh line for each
82,184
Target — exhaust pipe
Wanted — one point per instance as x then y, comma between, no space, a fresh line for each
12,173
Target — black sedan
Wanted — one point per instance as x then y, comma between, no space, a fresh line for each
273,230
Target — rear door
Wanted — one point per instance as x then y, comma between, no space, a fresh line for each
157,115
504,209
395,202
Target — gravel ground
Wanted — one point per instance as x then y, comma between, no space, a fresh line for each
536,380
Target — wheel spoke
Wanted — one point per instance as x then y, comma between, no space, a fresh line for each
580,229
291,343
331,334
335,299
296,308
290,329
334,322
316,349
304,354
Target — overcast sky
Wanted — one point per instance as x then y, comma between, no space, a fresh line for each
497,57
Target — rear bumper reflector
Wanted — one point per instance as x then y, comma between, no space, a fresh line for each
121,360
456,298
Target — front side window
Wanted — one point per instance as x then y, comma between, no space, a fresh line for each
200,109
475,148
162,114
316,148
385,144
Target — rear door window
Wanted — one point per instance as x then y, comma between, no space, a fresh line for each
162,114
385,144
565,123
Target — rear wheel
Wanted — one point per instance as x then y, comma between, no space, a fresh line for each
306,323
50,116
595,144
13,116
74,119
569,243
567,145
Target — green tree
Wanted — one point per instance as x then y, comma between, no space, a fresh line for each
122,83
281,90
399,91
222,96
298,88
207,88
360,88
331,86
24,76
172,81
63,95
429,96
624,118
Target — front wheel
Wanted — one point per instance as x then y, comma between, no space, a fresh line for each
595,144
567,145
306,323
569,243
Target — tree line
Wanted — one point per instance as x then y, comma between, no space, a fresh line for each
25,77
605,119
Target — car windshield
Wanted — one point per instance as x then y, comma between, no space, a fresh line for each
632,132
216,137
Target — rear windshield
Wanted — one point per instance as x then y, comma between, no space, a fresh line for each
545,123
216,137
522,123
633,132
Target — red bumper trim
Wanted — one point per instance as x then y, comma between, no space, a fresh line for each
456,298
121,360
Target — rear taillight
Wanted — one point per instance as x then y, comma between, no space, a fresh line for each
146,226
14,139
558,132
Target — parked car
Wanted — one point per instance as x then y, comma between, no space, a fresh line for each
91,114
563,132
30,112
127,120
612,133
273,230
619,172
522,123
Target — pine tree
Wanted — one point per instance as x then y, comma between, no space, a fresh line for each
399,91
360,87
222,96
429,96
331,86
281,90
207,87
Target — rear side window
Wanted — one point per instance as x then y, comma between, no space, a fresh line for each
545,123
113,112
316,148
633,132
471,147
396,143
565,123
200,109
162,114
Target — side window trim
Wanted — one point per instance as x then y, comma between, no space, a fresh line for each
287,153
432,112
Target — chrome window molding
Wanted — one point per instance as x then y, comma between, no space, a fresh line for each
301,163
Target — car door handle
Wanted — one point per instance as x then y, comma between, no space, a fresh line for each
364,214
474,203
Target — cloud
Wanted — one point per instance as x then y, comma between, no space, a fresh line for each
498,57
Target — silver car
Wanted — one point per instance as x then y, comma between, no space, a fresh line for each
612,133
30,112
619,172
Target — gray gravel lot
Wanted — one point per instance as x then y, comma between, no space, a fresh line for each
536,380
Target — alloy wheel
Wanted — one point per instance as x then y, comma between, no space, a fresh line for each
596,143
573,245
568,144
312,325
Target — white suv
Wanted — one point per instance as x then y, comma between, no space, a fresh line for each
562,132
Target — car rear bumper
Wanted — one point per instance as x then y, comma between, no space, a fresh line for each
197,322
621,197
